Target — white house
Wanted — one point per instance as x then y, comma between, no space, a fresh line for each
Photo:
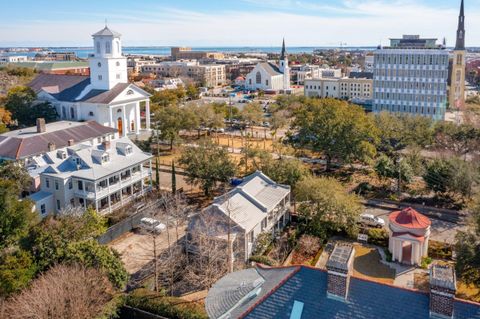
267,76
256,206
105,96
102,176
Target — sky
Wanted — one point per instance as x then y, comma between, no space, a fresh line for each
234,22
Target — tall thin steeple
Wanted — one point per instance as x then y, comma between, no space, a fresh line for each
284,52
460,44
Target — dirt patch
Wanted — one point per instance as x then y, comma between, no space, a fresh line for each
468,292
421,281
367,264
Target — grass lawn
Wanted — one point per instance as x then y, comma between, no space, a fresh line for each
367,265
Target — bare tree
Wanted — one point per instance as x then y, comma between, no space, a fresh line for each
65,291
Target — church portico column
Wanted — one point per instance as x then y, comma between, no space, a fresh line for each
147,113
125,124
137,117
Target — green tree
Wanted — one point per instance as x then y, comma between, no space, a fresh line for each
397,132
252,113
451,175
336,129
21,102
284,171
90,253
385,167
171,120
192,92
460,139
14,172
467,248
166,98
326,207
207,165
211,116
16,217
17,269
48,241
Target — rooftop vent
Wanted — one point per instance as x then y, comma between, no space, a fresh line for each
442,291
51,147
339,268
71,142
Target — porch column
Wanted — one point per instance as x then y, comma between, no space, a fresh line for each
125,124
147,114
137,118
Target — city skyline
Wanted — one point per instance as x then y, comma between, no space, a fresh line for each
242,23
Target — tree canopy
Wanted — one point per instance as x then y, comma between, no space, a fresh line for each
326,207
172,119
21,102
337,130
207,165
16,216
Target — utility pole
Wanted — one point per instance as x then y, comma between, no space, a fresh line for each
399,186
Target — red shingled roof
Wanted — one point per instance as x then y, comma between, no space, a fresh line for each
410,218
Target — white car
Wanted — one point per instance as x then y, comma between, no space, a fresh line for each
151,224
370,220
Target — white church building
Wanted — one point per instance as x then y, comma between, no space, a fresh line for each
267,76
105,96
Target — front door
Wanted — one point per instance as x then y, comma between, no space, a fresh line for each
407,254
120,126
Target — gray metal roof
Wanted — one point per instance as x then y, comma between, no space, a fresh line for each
239,290
271,68
340,257
107,32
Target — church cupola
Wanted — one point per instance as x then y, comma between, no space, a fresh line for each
283,58
108,66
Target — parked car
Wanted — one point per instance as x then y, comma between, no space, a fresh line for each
151,224
370,220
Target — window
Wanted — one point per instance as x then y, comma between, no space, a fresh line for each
80,185
108,48
258,78
72,113
56,185
118,47
43,209
47,182
90,113
105,158
58,204
117,64
128,149
99,77
99,64
70,184
98,47
130,92
118,76
266,82
72,202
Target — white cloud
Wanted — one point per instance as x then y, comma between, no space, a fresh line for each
355,22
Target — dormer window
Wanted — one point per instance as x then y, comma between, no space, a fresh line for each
105,158
128,149
61,154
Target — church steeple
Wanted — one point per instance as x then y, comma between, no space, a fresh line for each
284,51
460,44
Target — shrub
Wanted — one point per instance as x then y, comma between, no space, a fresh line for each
170,307
378,236
308,245
425,262
439,250
388,255
262,260
264,240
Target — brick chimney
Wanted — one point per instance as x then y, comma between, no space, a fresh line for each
71,142
339,266
41,127
51,147
443,286
106,145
